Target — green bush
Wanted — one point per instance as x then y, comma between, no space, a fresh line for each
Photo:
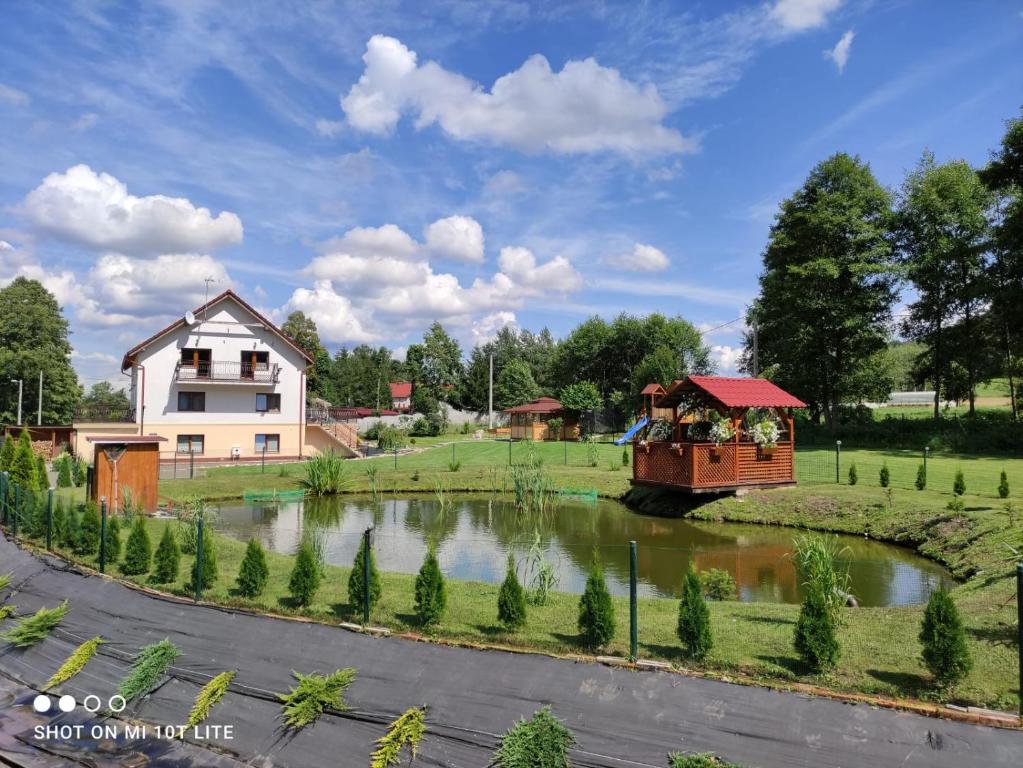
1003,486
72,529
356,579
540,742
702,760
391,439
253,573
305,576
959,484
885,475
138,552
167,559
43,477
694,618
921,477
63,465
87,541
205,563
511,599
596,611
718,584
816,639
78,471
59,523
23,469
853,476
431,595
943,640
625,456
313,694
112,551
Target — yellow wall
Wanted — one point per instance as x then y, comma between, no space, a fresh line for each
218,439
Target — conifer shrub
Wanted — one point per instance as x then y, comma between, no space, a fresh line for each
431,594
75,663
694,618
167,560
816,639
959,484
42,476
1003,486
207,698
138,551
718,584
72,528
78,470
921,477
33,629
23,471
59,522
253,573
7,453
511,599
313,694
853,476
699,760
356,593
596,610
543,740
305,576
409,730
63,463
885,476
207,562
113,548
87,541
148,667
943,640
625,456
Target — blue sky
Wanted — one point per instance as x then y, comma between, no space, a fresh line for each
383,165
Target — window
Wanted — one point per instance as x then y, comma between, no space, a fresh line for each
190,443
191,401
269,443
268,402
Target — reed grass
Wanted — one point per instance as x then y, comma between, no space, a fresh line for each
326,475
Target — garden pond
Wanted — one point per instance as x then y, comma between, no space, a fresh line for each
473,535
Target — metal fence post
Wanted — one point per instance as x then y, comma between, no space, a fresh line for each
17,510
3,496
49,519
262,465
838,458
191,464
395,457
90,479
927,450
103,534
1019,629
633,612
365,577
200,524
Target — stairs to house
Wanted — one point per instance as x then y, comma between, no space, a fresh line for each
342,437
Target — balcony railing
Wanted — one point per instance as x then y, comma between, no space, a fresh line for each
103,414
260,373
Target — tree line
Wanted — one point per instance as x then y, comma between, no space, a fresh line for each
843,247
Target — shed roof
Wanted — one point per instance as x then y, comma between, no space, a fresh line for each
731,392
652,389
540,405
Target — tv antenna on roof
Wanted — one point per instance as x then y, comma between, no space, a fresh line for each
207,280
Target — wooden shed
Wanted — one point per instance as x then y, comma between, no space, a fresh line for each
712,434
529,421
126,462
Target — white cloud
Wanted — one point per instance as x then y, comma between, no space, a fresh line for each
557,275
13,96
643,258
330,128
388,241
369,274
726,358
335,318
96,211
840,53
165,285
485,329
456,237
85,122
583,108
799,15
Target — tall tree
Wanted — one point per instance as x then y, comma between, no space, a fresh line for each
34,339
827,289
515,385
943,237
537,351
436,364
302,330
103,398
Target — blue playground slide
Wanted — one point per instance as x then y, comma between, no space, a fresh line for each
635,428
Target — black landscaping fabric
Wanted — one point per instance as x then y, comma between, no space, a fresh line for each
621,717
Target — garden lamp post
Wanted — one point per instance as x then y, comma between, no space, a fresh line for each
838,456
927,450
21,391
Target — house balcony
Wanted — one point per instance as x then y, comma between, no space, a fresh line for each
102,414
227,373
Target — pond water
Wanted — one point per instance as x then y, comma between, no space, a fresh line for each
473,535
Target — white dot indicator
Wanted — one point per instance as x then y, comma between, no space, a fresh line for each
92,703
41,703
66,703
119,707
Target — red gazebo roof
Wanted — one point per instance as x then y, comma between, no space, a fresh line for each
540,405
732,392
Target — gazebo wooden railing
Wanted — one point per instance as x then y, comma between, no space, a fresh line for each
706,467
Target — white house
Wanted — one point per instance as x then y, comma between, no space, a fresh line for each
222,384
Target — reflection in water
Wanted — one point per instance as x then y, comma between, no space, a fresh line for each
473,535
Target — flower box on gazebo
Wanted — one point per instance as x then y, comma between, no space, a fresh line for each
709,466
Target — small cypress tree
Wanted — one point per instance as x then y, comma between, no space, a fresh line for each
7,453
87,541
357,576
42,476
63,471
959,484
305,576
138,555
23,471
943,639
694,618
885,475
431,595
254,572
207,560
511,599
921,477
625,456
167,559
1003,486
59,523
72,528
113,550
815,638
78,472
596,610
853,477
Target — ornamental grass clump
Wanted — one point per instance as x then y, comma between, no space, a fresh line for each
167,560
596,610
511,599
325,474
533,486
827,589
543,741
208,697
33,629
694,619
253,573
314,694
149,666
75,663
943,640
305,576
138,552
431,594
408,730
356,579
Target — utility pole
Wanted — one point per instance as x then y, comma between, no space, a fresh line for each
21,386
490,411
39,413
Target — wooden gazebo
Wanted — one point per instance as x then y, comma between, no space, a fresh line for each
711,434
529,421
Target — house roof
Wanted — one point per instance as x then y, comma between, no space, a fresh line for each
652,389
731,392
126,361
540,405
401,389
